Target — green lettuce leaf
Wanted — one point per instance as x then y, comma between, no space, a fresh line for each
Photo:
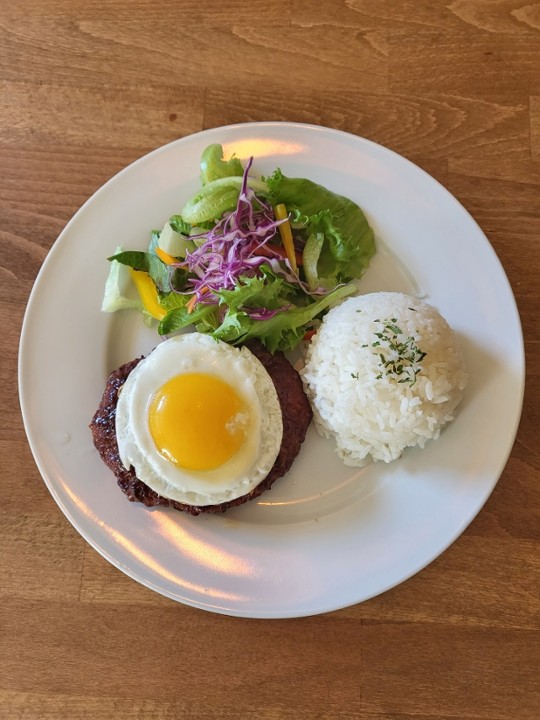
179,225
154,242
202,316
117,287
284,330
213,166
257,292
216,198
161,274
174,300
348,238
148,262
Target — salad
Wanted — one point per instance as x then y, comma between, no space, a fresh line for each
247,257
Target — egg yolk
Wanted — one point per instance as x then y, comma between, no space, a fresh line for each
198,421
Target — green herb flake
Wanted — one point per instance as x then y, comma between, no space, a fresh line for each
400,357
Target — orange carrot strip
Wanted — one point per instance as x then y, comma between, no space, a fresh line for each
193,300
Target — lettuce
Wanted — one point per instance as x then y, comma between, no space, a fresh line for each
348,242
117,286
282,331
166,278
216,198
221,185
202,316
179,225
213,166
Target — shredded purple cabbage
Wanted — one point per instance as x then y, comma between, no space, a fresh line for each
235,247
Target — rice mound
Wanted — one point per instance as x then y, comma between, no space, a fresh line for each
375,390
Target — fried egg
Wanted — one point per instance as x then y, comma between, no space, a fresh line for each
199,420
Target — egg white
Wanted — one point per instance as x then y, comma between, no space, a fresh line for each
238,367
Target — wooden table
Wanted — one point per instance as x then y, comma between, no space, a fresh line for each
90,86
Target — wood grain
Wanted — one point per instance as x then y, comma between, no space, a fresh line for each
87,87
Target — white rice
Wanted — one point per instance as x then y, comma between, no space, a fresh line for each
378,406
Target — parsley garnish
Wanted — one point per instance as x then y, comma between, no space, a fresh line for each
402,357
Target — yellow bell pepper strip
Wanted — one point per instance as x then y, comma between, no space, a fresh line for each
148,293
165,257
286,235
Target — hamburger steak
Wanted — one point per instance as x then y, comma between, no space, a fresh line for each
295,409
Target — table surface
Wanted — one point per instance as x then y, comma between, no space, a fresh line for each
90,86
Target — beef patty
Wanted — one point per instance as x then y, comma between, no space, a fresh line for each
295,410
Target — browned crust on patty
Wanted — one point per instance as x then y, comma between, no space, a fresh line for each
295,410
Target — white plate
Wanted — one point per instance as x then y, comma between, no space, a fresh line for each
325,536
